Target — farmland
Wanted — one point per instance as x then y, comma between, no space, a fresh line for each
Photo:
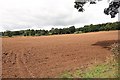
49,56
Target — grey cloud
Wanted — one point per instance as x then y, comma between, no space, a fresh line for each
45,14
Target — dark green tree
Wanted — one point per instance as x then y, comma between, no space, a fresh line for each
72,29
8,33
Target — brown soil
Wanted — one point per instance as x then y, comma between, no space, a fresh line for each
49,56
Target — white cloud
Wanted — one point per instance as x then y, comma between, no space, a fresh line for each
44,14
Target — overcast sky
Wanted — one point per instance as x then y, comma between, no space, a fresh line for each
45,14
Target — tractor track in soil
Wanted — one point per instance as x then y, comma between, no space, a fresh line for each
23,69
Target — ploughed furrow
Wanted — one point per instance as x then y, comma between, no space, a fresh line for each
23,69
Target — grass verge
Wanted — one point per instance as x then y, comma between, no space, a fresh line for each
109,69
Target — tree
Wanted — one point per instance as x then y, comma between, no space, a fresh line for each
15,33
32,32
1,33
26,32
66,30
8,33
111,10
51,31
72,29
43,32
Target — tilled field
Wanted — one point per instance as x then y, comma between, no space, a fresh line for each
49,56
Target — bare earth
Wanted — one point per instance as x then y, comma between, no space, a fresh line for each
49,56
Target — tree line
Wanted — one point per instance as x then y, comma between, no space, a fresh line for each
69,30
